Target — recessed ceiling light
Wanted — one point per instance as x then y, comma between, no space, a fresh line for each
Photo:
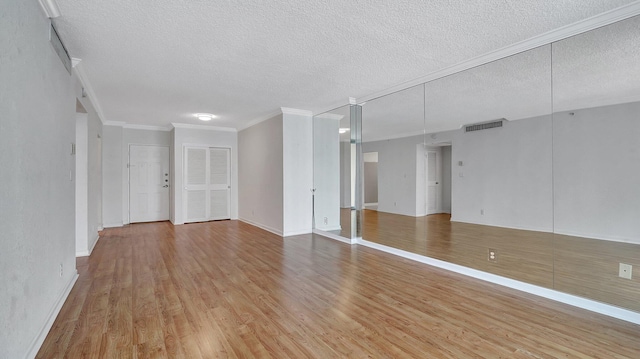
343,130
205,116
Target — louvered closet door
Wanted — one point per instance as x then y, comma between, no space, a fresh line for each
207,184
220,183
195,189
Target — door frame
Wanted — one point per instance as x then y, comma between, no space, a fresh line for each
128,179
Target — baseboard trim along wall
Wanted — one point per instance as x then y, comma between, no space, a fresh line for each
334,236
88,253
266,228
112,225
53,314
580,302
297,233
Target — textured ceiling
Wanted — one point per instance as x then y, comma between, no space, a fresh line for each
157,62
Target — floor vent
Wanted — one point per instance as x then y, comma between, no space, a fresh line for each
483,126
57,44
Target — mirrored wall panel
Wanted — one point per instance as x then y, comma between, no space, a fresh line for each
393,147
527,167
332,172
596,164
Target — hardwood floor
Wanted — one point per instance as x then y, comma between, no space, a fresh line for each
574,265
228,289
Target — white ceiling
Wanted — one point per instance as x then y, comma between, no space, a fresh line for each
158,62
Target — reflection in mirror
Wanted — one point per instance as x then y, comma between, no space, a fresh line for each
332,172
393,143
596,164
465,194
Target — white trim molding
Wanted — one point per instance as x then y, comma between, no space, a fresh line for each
335,237
84,81
203,127
261,226
147,127
55,310
573,300
295,111
50,8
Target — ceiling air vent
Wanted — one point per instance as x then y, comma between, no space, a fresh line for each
484,125
57,44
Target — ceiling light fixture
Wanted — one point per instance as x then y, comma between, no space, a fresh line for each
343,130
205,116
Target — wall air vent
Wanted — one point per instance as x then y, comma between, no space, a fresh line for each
57,44
484,125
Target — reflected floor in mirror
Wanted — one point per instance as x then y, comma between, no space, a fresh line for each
229,289
579,266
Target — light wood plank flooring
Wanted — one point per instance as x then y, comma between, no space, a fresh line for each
227,289
574,265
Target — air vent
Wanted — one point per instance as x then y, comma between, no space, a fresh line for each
57,44
484,126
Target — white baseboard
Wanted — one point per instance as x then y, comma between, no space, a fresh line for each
334,228
546,230
335,236
88,253
297,232
262,226
112,225
588,304
55,310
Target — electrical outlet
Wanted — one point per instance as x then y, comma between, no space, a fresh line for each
482,212
61,269
493,255
326,220
625,271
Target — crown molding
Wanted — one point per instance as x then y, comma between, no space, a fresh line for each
147,127
295,111
203,127
114,123
78,69
591,23
50,8
330,116
75,61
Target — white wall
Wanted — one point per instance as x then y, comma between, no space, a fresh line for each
596,171
260,173
397,171
297,152
130,137
112,174
507,173
327,159
82,185
201,135
37,127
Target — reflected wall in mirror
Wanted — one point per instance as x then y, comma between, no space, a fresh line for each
596,167
548,194
393,135
332,171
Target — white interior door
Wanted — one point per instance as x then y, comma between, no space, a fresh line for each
433,182
207,190
148,183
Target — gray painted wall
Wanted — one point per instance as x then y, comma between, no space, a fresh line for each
446,179
112,175
326,173
370,182
37,127
596,167
260,173
506,172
